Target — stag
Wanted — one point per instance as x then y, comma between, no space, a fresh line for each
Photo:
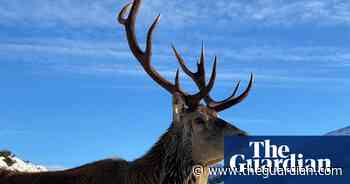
195,136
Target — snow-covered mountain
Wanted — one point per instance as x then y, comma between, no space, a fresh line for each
9,161
342,131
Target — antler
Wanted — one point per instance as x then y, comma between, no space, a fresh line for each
144,57
199,78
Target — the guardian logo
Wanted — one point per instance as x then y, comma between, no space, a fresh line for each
267,155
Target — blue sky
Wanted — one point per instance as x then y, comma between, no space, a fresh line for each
72,93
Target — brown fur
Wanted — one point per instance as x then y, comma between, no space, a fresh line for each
166,157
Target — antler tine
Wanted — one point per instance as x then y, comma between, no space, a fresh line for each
211,103
232,100
144,57
129,24
182,63
200,84
205,89
201,65
177,81
199,78
122,13
150,38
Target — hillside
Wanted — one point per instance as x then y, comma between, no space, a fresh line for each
342,131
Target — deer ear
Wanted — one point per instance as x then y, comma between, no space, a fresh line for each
179,106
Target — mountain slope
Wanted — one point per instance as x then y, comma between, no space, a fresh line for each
342,131
10,162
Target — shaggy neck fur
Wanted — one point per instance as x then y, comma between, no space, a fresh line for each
168,161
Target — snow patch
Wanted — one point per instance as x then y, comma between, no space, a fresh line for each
9,161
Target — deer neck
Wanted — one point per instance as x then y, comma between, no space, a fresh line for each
168,161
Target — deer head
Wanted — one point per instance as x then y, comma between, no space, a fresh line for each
198,124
